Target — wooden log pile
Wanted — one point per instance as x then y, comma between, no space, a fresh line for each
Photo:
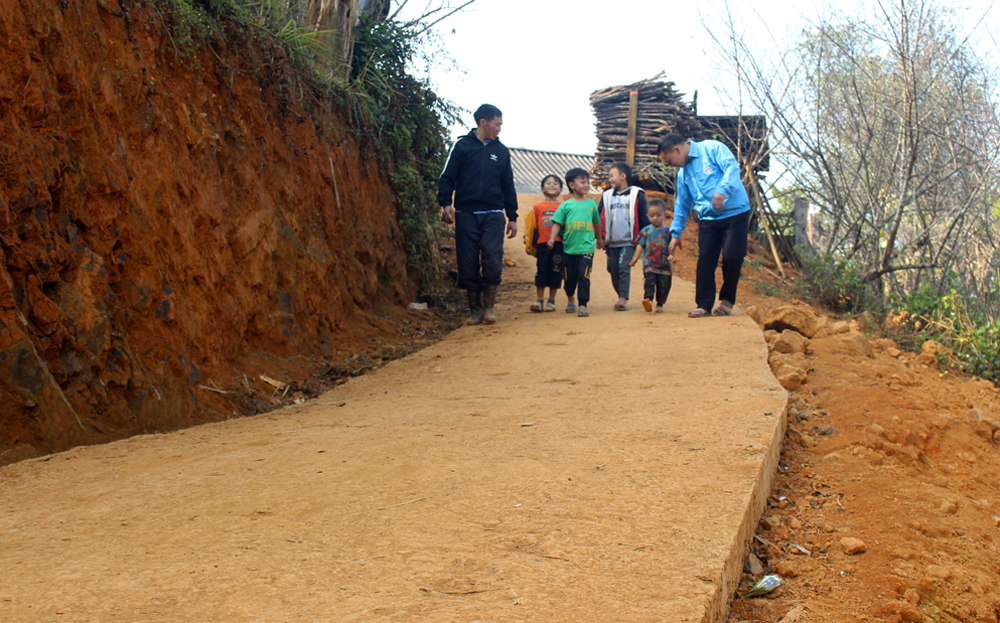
661,110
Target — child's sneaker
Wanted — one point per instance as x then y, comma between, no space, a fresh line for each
659,309
551,305
647,305
537,306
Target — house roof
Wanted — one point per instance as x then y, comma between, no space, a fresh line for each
531,165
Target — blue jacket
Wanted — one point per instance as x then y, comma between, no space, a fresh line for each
711,168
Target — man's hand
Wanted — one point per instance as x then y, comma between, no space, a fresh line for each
511,229
675,245
448,215
718,200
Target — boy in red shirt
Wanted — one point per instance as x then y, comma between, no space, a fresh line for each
549,273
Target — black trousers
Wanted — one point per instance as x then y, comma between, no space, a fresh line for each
576,273
549,265
655,284
727,237
479,248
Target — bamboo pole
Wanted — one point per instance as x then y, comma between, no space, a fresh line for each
633,116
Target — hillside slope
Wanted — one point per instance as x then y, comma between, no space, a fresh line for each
169,215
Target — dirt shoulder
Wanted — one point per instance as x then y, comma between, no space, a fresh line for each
887,448
544,469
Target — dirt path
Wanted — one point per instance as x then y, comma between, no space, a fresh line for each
547,468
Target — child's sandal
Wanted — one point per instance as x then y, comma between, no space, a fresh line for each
537,306
551,305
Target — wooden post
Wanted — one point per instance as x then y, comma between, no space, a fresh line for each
803,224
633,120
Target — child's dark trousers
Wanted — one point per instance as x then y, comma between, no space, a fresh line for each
655,284
576,274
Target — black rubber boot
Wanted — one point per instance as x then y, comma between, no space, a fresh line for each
476,307
489,300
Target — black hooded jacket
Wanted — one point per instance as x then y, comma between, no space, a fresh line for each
480,176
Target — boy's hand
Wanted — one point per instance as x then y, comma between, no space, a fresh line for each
550,243
632,263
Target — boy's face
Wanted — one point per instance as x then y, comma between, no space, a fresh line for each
491,128
619,180
552,187
655,215
580,185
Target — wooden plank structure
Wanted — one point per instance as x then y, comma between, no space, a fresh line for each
631,120
659,109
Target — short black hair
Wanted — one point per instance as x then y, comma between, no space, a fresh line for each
486,111
668,142
575,173
623,167
656,203
546,178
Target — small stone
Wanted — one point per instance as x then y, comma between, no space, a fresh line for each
893,352
948,507
807,441
833,457
801,319
787,569
878,430
839,327
910,614
912,595
771,523
794,523
790,341
753,565
939,572
852,545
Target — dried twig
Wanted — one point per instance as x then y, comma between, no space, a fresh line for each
405,503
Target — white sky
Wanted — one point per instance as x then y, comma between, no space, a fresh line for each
539,60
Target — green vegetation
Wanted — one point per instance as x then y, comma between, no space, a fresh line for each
398,119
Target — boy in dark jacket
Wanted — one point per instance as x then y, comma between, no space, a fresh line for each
479,175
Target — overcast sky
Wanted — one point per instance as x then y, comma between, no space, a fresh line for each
539,60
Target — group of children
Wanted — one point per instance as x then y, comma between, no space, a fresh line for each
564,236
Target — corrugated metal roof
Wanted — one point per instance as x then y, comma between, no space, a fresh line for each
531,165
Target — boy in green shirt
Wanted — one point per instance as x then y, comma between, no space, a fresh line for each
579,222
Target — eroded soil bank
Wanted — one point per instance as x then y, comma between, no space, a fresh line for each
169,222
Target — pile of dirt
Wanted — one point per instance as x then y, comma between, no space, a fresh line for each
176,222
885,507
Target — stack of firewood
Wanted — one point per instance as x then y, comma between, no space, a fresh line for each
661,110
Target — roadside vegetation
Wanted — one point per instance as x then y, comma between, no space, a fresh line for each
886,120
398,118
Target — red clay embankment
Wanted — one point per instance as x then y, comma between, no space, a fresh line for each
165,220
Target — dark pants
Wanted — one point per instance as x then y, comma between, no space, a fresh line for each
727,237
549,266
576,272
479,248
621,272
658,285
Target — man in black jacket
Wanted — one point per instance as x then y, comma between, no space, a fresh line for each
479,173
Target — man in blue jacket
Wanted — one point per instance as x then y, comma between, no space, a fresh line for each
708,180
478,172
